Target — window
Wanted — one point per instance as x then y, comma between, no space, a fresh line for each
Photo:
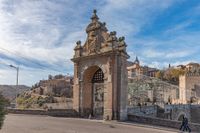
98,76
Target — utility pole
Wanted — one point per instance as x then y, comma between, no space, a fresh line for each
17,81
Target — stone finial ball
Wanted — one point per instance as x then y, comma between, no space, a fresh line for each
78,42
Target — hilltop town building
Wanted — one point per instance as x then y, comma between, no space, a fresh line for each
136,69
100,75
192,66
56,86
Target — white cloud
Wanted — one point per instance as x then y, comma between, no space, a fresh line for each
179,54
46,31
40,31
167,54
33,26
151,53
178,28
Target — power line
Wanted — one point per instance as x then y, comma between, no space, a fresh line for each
18,54
4,63
25,58
31,69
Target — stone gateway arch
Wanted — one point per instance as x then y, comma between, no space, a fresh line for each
100,75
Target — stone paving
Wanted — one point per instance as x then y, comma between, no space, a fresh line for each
45,124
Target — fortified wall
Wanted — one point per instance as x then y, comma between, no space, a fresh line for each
189,88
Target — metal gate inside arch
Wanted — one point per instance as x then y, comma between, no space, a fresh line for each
98,94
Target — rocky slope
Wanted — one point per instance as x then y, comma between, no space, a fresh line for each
9,91
55,92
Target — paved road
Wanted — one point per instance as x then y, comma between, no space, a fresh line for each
46,124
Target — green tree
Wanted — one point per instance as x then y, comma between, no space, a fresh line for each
3,103
159,74
170,75
176,73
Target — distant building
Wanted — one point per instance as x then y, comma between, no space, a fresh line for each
58,85
136,69
192,66
189,67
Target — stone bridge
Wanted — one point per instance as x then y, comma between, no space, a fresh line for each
171,112
177,111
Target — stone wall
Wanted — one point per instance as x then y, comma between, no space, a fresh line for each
195,113
51,112
143,110
31,112
66,105
161,122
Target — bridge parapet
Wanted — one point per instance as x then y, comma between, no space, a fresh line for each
143,110
177,111
161,122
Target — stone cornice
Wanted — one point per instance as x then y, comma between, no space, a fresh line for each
109,53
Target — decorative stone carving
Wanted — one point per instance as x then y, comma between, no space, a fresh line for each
99,40
78,49
122,45
111,41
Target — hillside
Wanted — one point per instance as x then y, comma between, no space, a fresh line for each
9,91
55,92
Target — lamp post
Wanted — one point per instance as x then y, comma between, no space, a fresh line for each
17,81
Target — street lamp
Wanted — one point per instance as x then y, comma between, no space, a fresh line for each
17,78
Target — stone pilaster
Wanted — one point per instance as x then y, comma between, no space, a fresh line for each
123,89
76,89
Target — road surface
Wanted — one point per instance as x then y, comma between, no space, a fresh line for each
45,124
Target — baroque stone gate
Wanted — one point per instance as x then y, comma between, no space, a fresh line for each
100,75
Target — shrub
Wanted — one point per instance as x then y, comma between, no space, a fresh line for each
3,103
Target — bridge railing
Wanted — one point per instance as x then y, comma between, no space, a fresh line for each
161,122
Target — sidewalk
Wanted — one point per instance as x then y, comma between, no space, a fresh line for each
129,123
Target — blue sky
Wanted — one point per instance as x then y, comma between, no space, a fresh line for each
39,35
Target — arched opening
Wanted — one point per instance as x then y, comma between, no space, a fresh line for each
98,94
180,118
93,92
